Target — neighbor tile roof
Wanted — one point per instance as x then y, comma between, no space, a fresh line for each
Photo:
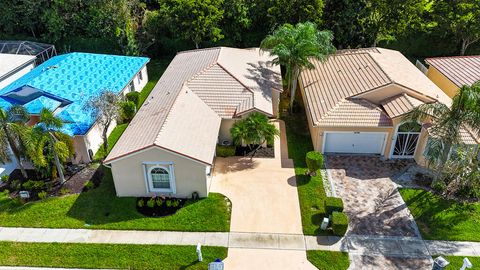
225,79
461,70
400,104
466,136
351,112
350,73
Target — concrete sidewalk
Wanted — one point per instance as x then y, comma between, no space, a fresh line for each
411,247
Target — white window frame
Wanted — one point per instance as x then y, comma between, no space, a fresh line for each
140,77
131,86
168,166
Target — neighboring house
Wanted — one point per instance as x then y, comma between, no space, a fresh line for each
169,146
64,83
356,100
14,66
451,73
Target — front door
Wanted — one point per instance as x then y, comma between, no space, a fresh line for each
406,140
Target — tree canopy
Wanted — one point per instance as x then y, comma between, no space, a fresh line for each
295,47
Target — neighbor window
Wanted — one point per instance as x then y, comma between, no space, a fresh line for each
140,77
160,177
131,87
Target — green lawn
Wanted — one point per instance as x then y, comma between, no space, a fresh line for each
328,260
107,256
457,261
112,140
310,190
440,219
100,208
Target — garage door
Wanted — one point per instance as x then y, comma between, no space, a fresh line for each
354,142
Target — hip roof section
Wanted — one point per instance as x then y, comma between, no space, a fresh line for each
400,104
225,79
351,73
461,70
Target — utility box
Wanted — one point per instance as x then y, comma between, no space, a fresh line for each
440,263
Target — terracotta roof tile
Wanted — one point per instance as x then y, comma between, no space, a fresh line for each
223,79
461,70
356,113
400,104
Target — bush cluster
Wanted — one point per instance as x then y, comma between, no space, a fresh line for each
333,204
133,97
127,110
314,161
225,151
339,223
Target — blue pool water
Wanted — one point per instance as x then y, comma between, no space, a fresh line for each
75,77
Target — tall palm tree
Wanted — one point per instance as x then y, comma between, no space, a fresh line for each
253,130
447,123
13,129
294,46
50,147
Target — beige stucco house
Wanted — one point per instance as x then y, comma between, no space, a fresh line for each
356,100
451,73
169,146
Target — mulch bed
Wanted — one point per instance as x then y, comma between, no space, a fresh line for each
75,183
263,152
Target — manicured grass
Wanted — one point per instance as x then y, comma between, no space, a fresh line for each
328,260
112,140
100,208
155,69
107,256
440,219
456,262
310,189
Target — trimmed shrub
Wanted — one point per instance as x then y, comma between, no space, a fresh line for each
339,223
128,110
333,204
225,151
42,195
133,97
314,161
33,185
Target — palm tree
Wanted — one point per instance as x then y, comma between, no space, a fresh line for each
447,123
294,46
49,146
253,130
13,129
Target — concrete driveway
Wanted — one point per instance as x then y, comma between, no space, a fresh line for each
264,200
370,198
262,191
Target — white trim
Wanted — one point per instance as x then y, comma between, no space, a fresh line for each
168,166
394,141
384,143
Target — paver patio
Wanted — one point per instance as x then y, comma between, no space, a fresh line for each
370,198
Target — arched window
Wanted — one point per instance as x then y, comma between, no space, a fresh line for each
160,178
406,140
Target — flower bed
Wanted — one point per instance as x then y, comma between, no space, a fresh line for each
158,206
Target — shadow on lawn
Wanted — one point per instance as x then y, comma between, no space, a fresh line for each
442,219
101,205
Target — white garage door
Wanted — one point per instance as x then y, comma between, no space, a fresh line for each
354,142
